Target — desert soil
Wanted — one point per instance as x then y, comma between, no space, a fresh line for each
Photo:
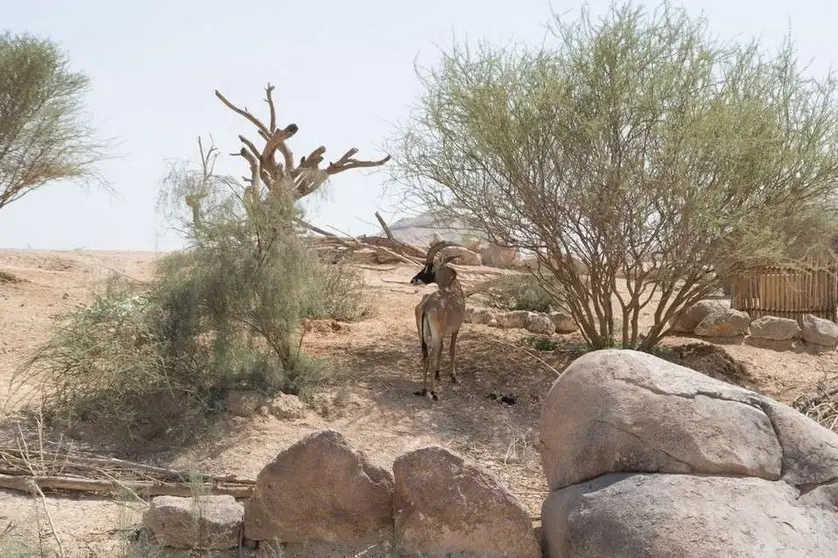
376,364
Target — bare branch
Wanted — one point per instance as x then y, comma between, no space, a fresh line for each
263,130
384,226
346,162
307,176
269,99
250,145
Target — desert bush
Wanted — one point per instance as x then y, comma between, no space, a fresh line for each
336,291
544,344
144,359
520,293
639,158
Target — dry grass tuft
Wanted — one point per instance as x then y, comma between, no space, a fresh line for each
820,403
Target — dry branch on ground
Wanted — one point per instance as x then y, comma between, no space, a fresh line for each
821,402
23,470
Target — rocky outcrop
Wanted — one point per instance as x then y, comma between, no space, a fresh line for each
535,322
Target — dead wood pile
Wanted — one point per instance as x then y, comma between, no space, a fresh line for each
28,471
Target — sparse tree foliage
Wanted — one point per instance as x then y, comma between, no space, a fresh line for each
639,159
44,136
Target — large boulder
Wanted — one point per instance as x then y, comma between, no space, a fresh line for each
773,328
442,504
625,411
321,489
724,323
648,458
621,515
211,522
819,331
686,321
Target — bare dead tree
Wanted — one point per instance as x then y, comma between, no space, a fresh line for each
301,177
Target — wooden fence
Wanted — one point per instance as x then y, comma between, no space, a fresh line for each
787,292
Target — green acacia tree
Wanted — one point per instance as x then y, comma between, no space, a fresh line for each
44,136
639,159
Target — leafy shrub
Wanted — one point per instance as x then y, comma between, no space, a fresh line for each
520,293
337,291
544,344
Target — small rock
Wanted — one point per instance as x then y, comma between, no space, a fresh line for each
285,407
443,505
540,324
774,328
244,403
321,489
211,522
516,319
724,323
689,318
563,322
819,331
493,323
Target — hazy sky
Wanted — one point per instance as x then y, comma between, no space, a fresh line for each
343,71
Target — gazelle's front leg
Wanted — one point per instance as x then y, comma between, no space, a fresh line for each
441,346
453,355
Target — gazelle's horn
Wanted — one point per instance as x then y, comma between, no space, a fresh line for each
436,247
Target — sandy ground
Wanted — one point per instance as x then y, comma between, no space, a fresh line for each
376,364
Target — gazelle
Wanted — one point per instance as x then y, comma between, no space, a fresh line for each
438,315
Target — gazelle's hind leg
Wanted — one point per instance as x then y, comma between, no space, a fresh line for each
436,354
427,338
436,374
453,353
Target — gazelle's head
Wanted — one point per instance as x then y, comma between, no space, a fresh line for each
431,272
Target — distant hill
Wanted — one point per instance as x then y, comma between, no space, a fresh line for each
420,230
